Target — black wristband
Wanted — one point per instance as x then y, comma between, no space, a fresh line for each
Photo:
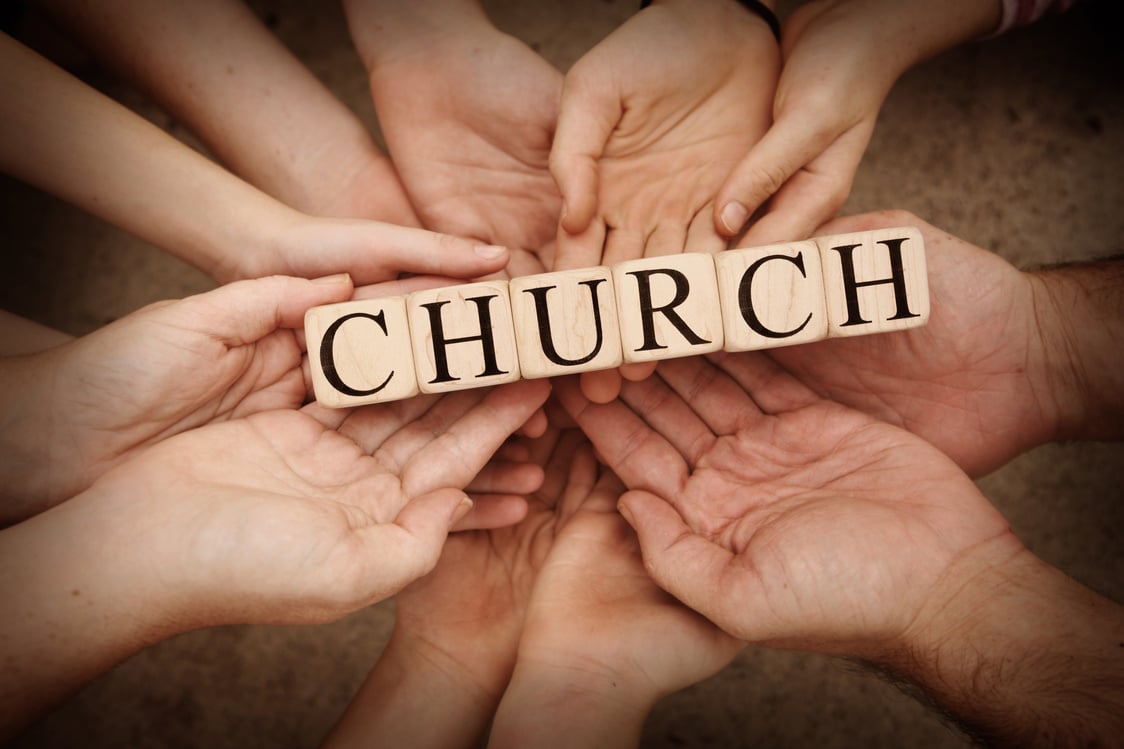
754,6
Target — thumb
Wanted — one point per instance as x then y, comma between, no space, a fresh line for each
393,555
682,562
246,311
787,146
589,111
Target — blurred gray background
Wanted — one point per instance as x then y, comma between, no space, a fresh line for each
1015,144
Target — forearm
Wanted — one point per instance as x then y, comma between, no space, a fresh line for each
416,698
1022,655
554,707
248,98
74,606
19,336
67,139
896,34
1080,315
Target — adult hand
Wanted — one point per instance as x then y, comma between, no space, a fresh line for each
281,517
841,57
784,518
601,642
980,381
652,121
468,114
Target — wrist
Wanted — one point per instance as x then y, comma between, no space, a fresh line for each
478,672
386,30
1079,311
1017,651
570,705
394,707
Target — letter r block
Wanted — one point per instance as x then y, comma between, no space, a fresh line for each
668,307
565,322
462,336
771,296
359,352
874,281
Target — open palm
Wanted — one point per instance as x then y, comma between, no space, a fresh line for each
782,517
652,121
970,382
292,516
469,123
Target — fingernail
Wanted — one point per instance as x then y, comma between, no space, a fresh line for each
338,278
490,251
462,510
734,215
626,513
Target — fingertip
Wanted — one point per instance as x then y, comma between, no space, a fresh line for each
601,386
460,511
637,371
731,218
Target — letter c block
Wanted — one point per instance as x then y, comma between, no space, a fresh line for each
772,296
359,352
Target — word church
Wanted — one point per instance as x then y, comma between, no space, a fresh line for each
491,332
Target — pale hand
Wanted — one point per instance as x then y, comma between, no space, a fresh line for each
302,516
468,118
652,121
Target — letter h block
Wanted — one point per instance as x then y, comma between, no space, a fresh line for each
462,336
668,307
874,281
565,322
359,352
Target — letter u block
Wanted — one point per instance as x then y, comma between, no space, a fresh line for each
874,281
462,336
565,322
771,296
668,307
359,352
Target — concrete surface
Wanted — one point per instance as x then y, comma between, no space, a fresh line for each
1015,144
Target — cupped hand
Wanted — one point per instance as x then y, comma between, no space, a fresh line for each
784,518
594,608
468,114
652,121
468,613
172,366
301,516
974,382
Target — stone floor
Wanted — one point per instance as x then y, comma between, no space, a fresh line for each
1015,144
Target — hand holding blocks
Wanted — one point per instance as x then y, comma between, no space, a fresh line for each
487,333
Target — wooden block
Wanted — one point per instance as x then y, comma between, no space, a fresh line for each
668,307
565,322
359,352
771,296
874,281
462,336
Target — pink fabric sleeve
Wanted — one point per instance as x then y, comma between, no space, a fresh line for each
1022,12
